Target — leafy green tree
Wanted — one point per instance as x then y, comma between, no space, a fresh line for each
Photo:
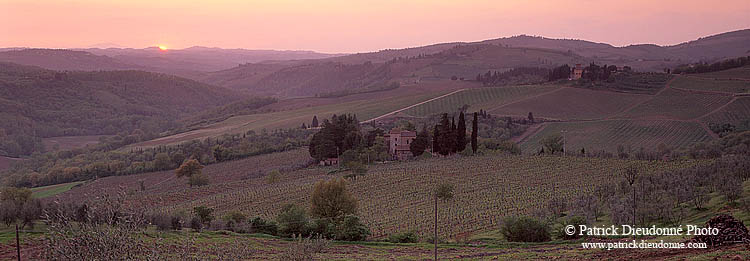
193,170
205,214
162,161
292,220
350,228
331,199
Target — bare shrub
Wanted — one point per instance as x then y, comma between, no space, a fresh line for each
305,248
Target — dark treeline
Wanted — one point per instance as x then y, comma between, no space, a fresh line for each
449,137
336,136
88,163
717,66
594,72
522,75
561,72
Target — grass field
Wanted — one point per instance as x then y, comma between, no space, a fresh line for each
480,98
678,104
703,83
392,197
735,112
573,104
48,191
607,135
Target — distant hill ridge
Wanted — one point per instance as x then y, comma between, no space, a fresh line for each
287,74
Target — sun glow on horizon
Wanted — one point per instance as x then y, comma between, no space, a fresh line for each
163,47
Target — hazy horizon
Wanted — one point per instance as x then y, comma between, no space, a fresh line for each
344,27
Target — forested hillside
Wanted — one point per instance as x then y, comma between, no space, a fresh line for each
37,103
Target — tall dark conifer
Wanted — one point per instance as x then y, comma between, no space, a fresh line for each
452,140
474,134
436,139
314,122
461,133
446,145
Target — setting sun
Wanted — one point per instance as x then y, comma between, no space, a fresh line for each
163,47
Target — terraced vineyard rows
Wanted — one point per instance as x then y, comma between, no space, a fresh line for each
607,135
224,176
480,98
735,112
678,104
573,104
712,84
396,197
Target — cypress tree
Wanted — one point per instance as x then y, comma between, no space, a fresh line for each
474,134
461,133
436,139
419,144
452,141
445,135
314,122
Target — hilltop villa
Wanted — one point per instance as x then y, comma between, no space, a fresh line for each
577,72
398,143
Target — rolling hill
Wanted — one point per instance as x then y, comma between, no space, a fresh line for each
65,60
442,61
35,102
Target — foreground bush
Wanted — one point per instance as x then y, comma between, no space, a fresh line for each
304,249
524,229
576,222
407,237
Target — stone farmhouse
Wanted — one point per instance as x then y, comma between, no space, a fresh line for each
398,143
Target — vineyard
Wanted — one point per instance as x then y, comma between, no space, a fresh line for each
165,182
678,104
573,104
735,112
607,135
395,197
736,73
700,83
480,98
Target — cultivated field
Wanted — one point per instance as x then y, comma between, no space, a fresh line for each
678,104
735,112
573,104
392,197
608,134
480,98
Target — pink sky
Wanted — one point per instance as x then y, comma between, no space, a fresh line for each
356,25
